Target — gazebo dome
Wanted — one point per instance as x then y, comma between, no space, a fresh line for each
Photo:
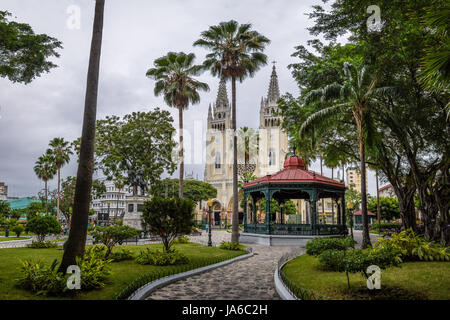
294,162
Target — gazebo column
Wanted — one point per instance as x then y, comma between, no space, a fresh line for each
313,205
339,213
245,210
343,209
268,197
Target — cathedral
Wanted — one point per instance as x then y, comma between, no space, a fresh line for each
260,152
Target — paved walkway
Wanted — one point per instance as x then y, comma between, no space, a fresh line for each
249,279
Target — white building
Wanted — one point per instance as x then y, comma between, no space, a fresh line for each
112,202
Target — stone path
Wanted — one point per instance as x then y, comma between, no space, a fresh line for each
248,279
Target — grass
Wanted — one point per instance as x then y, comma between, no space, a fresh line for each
413,280
124,272
11,238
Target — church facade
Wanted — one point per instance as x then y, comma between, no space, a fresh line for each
261,151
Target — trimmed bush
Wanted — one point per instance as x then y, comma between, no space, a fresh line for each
182,239
316,246
161,258
110,236
43,226
231,246
18,229
121,255
42,245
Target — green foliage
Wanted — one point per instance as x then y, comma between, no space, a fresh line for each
289,208
192,189
226,245
274,206
33,208
40,279
42,245
123,145
24,53
43,280
7,224
95,269
389,208
316,246
414,247
123,254
182,239
42,226
168,218
386,226
161,258
18,229
5,209
112,235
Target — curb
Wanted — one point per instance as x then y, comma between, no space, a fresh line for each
282,290
144,291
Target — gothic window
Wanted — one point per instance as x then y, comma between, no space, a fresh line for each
217,163
272,157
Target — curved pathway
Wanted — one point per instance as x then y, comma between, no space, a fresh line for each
248,279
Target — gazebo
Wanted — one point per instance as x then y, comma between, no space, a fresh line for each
293,182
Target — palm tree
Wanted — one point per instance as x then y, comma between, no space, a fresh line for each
236,53
45,170
355,95
174,79
61,151
77,237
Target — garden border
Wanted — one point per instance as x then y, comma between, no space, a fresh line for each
280,287
145,291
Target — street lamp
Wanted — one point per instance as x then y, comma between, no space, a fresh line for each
350,207
109,203
209,204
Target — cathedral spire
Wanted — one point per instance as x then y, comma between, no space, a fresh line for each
274,91
222,96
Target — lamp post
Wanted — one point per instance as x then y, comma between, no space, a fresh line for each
109,204
209,203
350,207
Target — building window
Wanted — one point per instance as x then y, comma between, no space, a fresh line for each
272,157
140,207
217,164
130,207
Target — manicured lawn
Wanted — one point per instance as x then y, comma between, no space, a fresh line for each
415,280
123,272
10,238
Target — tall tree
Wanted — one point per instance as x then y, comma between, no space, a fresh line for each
24,54
236,53
354,96
45,169
61,151
77,237
174,79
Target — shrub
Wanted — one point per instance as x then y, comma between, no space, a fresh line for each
42,280
358,260
121,255
182,239
168,218
94,268
110,236
231,246
42,245
414,247
161,258
18,229
42,226
386,226
317,245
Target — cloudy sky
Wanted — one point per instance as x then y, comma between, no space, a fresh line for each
136,32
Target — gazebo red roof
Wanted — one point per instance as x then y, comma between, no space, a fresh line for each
295,172
359,212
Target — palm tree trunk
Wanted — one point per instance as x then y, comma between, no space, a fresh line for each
378,203
180,115
46,198
332,204
321,173
235,217
78,231
57,198
365,222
